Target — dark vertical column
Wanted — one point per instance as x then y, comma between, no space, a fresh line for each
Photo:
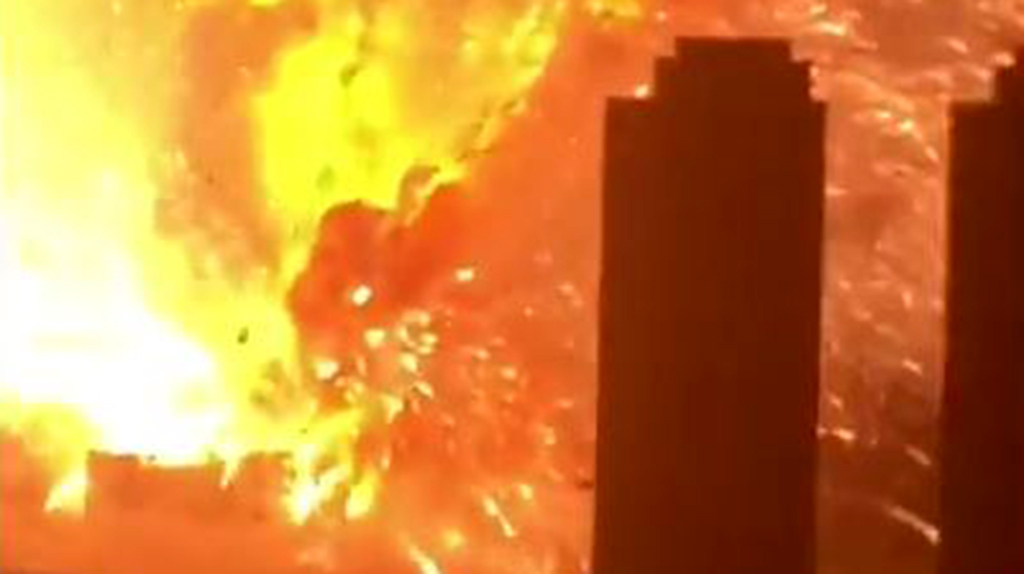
982,493
711,296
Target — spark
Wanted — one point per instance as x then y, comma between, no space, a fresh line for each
326,369
493,509
362,295
527,492
466,274
916,522
393,407
375,338
453,539
410,362
423,561
425,389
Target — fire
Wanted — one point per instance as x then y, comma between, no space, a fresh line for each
384,104
79,337
168,178
231,228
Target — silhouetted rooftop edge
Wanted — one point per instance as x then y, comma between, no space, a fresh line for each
729,64
1010,81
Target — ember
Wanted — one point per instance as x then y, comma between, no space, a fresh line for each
339,258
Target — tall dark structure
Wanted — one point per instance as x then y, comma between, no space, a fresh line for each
710,322
982,492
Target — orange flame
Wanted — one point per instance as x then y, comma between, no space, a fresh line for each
145,262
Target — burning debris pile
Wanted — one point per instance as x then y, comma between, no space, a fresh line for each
358,239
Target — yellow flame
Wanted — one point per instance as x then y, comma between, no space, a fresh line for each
118,337
321,464
109,338
362,497
69,494
390,102
76,330
311,491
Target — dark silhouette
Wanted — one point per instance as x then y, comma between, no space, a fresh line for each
710,322
982,492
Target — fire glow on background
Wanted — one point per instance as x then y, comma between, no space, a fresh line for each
180,277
